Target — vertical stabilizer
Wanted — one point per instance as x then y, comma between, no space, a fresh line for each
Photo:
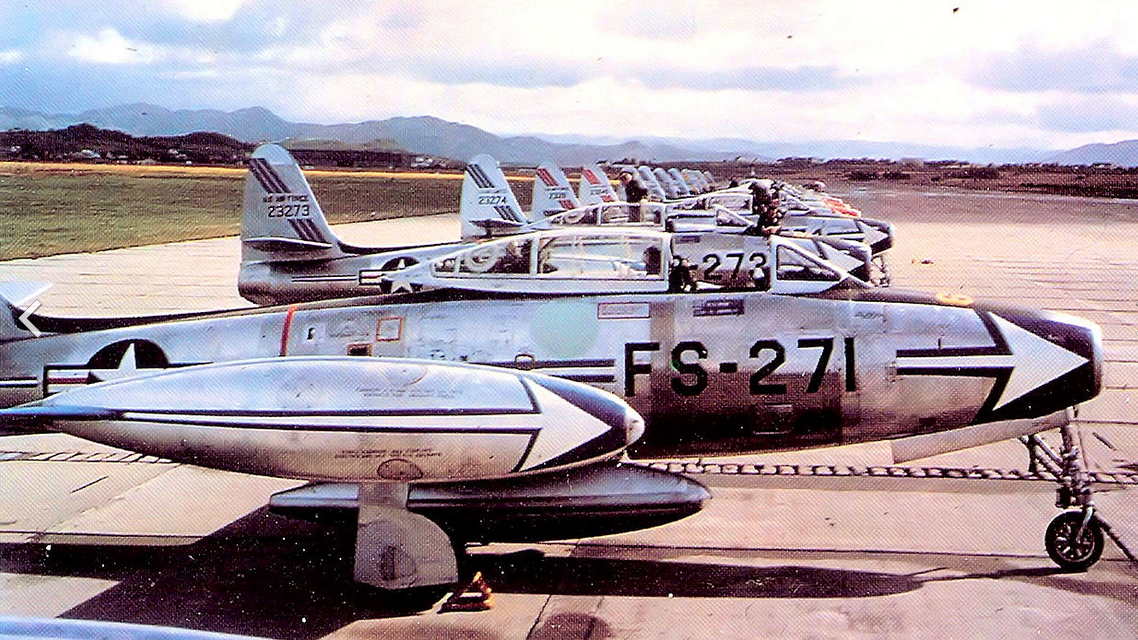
684,188
595,186
488,206
655,189
282,220
665,181
552,192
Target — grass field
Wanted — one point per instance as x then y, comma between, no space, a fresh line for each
47,209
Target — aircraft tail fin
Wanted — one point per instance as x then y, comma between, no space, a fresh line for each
282,221
552,192
682,186
595,186
670,189
648,179
15,296
488,206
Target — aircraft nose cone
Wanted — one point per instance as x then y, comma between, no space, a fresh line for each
1057,362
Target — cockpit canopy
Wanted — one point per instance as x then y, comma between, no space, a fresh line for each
596,260
563,254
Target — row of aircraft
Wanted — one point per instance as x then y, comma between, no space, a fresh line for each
494,388
658,246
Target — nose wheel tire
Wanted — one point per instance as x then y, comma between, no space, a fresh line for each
1069,549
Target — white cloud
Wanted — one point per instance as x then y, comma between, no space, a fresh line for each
886,70
207,10
109,47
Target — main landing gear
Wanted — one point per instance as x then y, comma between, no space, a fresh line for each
1074,539
402,553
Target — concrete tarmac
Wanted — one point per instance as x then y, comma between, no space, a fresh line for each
89,532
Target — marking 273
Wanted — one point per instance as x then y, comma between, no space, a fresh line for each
692,378
732,263
288,210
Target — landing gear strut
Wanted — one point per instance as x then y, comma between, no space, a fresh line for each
1074,539
885,277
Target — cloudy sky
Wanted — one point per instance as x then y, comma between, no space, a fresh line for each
964,73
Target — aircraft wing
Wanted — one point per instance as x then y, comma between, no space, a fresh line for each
103,495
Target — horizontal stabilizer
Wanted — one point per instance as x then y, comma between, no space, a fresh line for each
15,296
284,244
18,294
495,224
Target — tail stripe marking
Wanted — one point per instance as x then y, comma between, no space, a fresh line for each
300,231
508,214
308,231
313,229
480,178
268,178
274,177
486,180
303,231
546,177
255,170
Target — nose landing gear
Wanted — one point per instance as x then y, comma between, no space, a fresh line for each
1074,539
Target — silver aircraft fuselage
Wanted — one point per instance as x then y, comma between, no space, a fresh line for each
717,372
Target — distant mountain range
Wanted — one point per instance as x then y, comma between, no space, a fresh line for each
432,136
1123,154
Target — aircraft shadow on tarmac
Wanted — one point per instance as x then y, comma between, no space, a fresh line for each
264,575
533,572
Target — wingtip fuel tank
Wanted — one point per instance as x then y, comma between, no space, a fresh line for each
349,419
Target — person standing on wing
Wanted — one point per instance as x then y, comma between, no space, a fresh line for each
633,192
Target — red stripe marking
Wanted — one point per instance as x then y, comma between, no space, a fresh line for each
546,177
286,328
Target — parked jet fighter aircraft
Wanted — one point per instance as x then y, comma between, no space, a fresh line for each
596,189
553,200
585,260
817,214
290,254
711,373
488,206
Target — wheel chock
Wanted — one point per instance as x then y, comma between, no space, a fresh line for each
473,596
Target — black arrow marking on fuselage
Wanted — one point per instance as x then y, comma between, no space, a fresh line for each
999,374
